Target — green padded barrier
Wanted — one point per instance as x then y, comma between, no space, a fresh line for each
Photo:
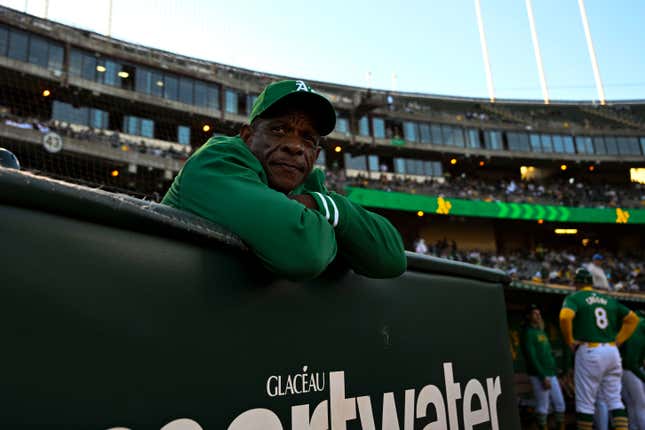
119,313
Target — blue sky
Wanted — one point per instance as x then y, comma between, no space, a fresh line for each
432,46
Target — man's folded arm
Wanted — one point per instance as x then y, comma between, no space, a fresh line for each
290,240
367,241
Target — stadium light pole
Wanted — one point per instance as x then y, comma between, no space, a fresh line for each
109,32
482,39
592,52
538,54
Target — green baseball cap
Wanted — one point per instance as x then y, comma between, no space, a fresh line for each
301,95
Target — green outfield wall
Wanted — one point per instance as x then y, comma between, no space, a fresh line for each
479,208
119,313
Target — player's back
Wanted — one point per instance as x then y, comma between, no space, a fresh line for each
598,317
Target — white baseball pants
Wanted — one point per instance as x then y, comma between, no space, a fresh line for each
634,395
542,396
598,373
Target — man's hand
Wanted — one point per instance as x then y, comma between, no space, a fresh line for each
546,383
306,200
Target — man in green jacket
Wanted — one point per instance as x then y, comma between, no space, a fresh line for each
261,185
541,368
633,355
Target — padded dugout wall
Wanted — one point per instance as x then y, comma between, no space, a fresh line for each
120,313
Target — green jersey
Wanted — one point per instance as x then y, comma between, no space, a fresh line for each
598,317
537,353
224,182
633,351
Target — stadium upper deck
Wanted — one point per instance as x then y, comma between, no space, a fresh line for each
90,88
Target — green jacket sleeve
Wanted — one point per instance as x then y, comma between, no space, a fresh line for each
531,355
367,241
633,352
631,363
226,185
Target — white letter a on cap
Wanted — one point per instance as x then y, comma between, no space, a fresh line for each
301,86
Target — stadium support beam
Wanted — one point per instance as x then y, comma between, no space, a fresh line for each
538,54
482,39
592,52
109,32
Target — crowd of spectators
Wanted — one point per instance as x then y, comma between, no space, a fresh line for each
624,272
113,138
555,192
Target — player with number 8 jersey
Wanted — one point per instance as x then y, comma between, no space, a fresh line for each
595,324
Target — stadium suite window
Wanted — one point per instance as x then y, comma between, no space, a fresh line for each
558,144
75,63
628,146
399,166
410,131
171,87
342,125
435,131
183,135
518,141
213,96
186,90
18,45
493,139
424,133
38,54
66,112
472,136
448,134
56,54
147,128
88,70
433,168
109,75
98,118
143,81
611,145
414,167
584,145
536,145
363,126
138,126
4,40
378,126
357,162
231,101
642,140
568,145
599,145
373,163
460,141
547,145
250,101
201,94
149,82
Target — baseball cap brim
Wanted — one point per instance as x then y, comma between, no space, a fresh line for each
289,95
318,107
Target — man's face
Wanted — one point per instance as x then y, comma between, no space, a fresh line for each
535,317
597,262
286,144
